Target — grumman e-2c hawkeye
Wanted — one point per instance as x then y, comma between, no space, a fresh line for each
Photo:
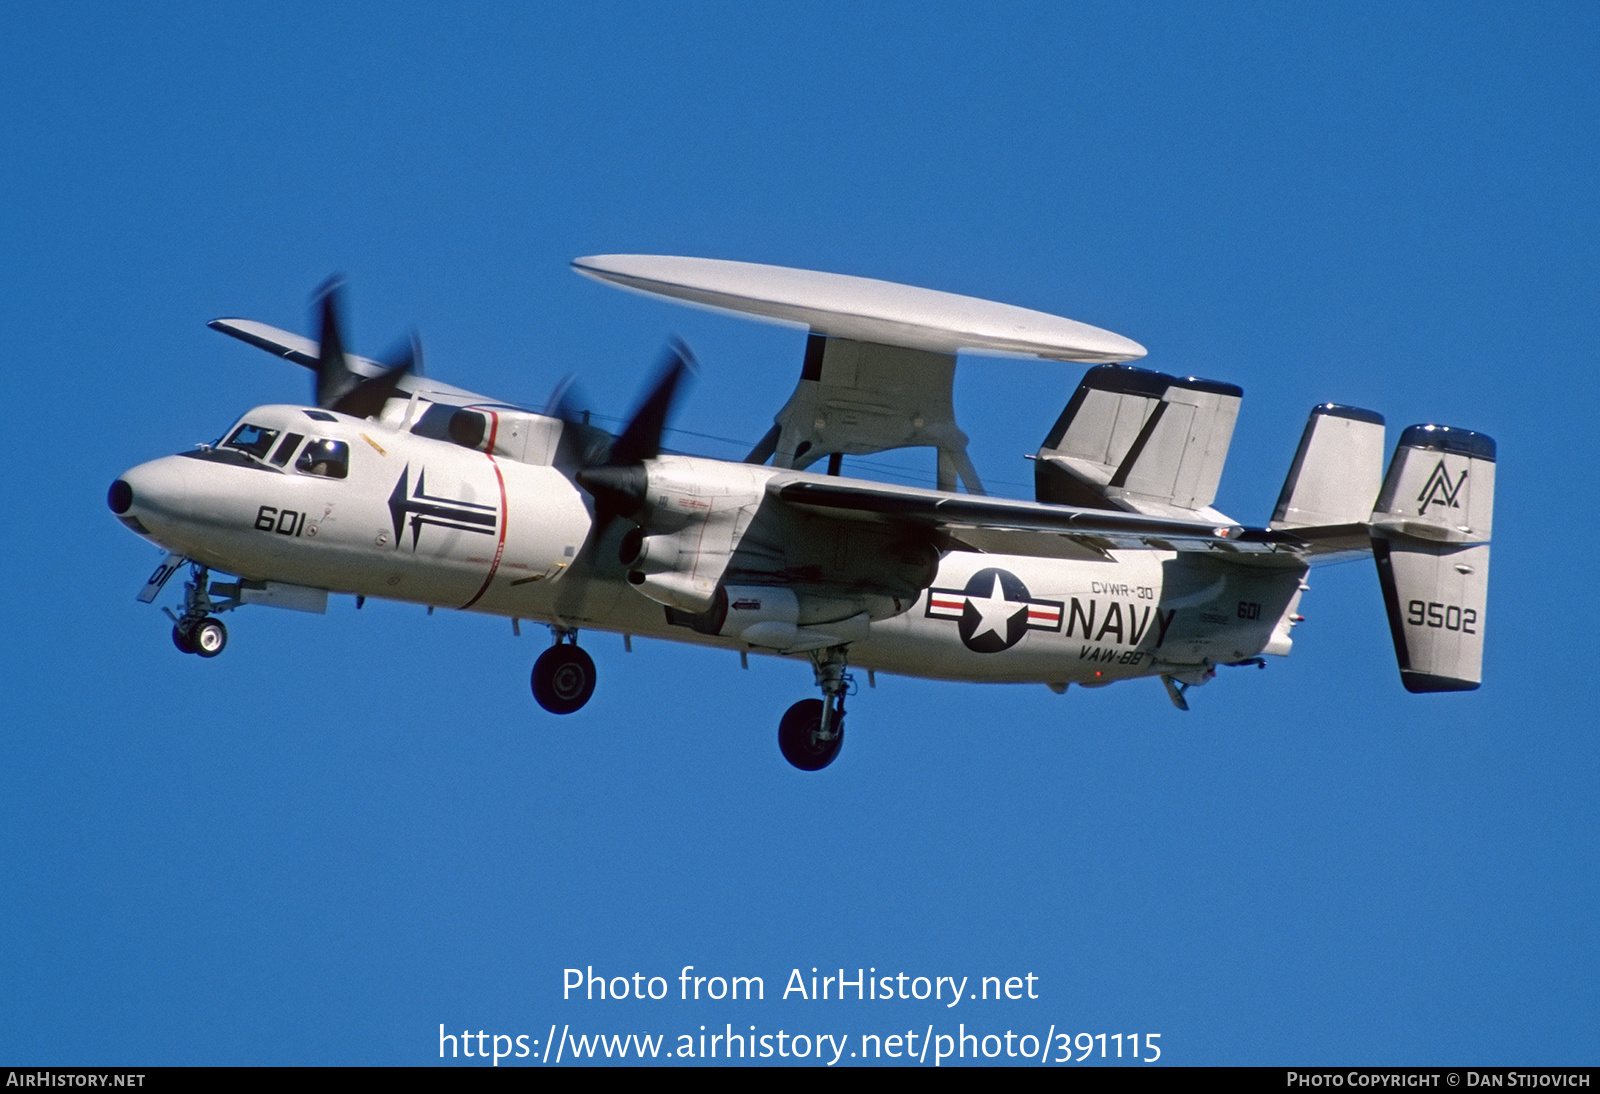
396,486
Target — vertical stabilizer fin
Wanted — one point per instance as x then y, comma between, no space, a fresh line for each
1336,471
1139,441
1430,538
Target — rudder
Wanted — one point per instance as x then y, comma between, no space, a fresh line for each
1430,539
1336,471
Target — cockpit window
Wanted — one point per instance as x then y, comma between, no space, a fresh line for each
330,459
252,439
286,449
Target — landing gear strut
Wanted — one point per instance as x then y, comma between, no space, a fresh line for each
195,631
813,729
563,675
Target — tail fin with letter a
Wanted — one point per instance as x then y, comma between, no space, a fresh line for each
1430,537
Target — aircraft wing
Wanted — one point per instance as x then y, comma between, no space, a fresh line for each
1332,542
291,347
1021,527
303,351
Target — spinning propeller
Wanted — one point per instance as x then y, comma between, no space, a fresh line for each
619,482
616,476
340,388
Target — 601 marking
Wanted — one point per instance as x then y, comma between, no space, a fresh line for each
285,522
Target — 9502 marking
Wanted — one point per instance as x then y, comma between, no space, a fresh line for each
1450,617
285,522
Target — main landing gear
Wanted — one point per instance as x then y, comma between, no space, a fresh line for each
195,631
812,730
563,676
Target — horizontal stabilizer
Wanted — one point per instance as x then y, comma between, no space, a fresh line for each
1139,441
1430,534
1336,471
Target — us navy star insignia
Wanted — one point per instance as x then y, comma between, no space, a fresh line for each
994,610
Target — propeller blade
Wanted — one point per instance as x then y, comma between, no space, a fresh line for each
564,399
616,478
640,439
340,388
334,377
581,445
406,354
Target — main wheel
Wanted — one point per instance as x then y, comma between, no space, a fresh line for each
208,637
799,736
563,679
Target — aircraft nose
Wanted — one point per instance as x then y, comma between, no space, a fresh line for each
152,490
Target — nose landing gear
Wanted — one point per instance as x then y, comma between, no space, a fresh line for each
195,631
563,675
204,636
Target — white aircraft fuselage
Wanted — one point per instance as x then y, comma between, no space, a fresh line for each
431,522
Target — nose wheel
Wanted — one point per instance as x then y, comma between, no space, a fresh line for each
196,630
563,675
204,636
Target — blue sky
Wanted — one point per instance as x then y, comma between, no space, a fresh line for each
348,830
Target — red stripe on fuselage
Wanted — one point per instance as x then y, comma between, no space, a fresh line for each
500,546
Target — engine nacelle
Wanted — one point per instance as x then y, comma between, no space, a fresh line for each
692,513
760,611
650,554
673,569
518,435
779,619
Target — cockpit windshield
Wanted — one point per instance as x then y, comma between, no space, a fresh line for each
253,445
252,439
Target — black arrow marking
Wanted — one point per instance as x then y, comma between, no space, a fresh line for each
423,508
